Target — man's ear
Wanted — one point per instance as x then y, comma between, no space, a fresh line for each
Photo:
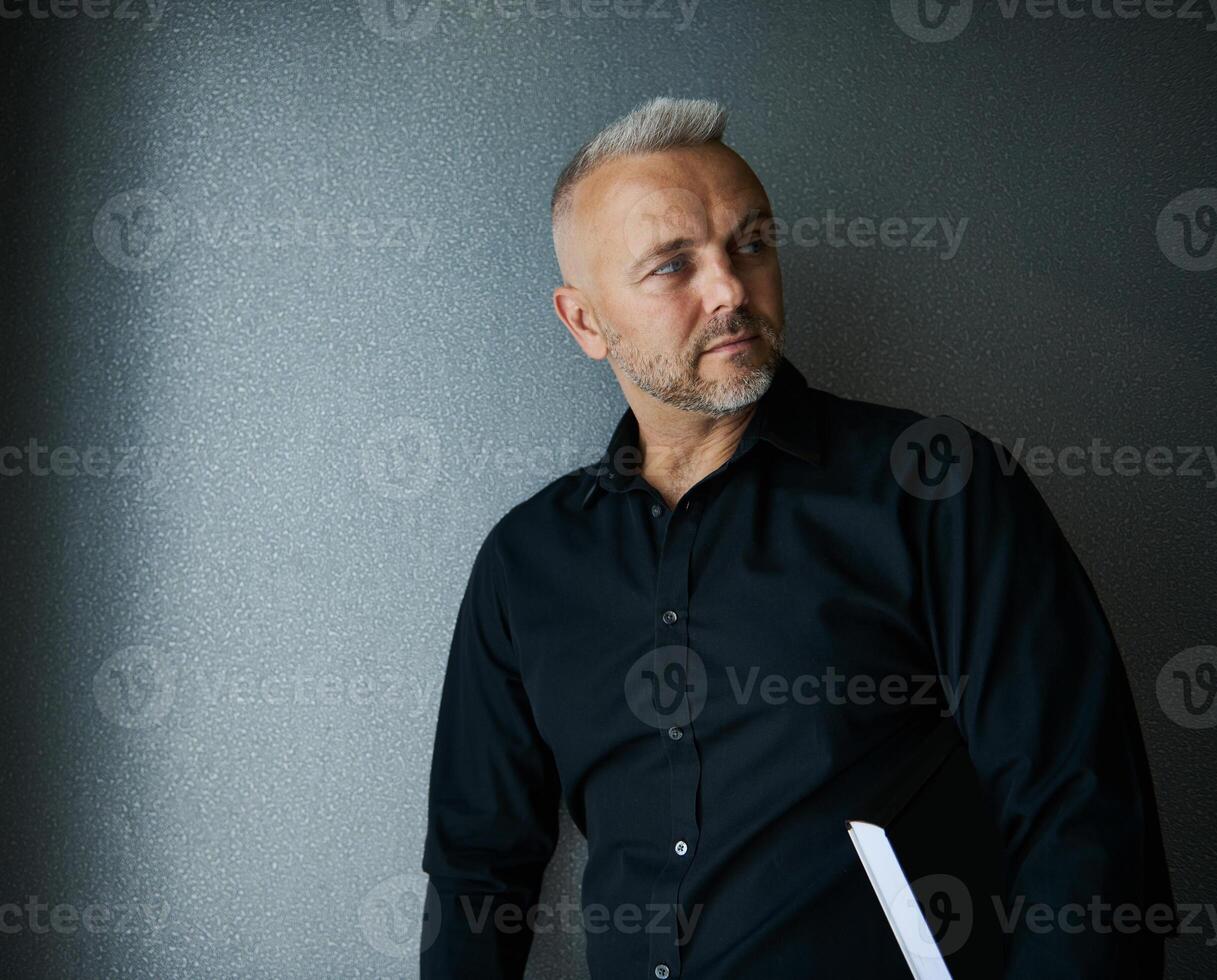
575,312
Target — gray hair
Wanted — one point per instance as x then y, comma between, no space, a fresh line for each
660,124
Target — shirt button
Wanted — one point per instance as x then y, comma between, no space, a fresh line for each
681,847
656,510
669,617
661,971
675,733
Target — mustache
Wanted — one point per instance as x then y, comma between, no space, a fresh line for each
739,323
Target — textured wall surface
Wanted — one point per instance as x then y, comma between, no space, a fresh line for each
276,290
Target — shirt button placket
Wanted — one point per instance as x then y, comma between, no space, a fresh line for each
671,629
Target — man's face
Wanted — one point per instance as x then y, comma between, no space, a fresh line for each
671,254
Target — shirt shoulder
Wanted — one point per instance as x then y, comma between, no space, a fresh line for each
863,432
548,507
866,425
871,446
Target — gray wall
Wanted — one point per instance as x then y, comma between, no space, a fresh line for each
285,268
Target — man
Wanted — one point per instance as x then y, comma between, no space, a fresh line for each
720,641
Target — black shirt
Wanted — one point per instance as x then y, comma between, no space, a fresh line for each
713,689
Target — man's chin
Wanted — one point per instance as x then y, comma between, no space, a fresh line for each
741,383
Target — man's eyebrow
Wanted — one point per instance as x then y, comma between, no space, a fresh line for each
655,252
750,216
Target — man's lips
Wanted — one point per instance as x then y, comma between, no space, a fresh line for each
732,346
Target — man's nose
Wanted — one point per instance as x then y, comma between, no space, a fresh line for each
722,290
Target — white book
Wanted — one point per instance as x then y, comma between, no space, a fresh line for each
930,848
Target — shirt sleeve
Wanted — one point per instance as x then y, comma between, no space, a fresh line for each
492,810
1048,716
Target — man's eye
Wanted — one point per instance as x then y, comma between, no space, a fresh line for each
660,272
759,244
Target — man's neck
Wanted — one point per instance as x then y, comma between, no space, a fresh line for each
679,448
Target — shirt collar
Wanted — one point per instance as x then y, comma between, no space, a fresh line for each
785,416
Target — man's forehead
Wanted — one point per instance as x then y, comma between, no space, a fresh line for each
659,181
633,203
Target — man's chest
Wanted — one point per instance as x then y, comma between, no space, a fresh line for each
727,618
